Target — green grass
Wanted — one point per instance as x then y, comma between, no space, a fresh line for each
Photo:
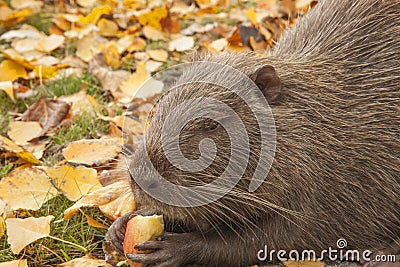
49,252
41,21
83,126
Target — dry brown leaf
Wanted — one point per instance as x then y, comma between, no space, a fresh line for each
73,182
92,151
114,200
170,25
48,112
181,44
21,132
22,232
157,54
15,263
85,261
110,80
26,189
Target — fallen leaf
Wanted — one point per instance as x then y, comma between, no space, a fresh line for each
153,34
31,4
73,182
21,132
114,200
153,17
94,223
110,80
218,45
107,27
10,71
82,102
111,54
181,44
304,263
86,3
92,151
133,83
22,232
44,72
95,15
8,88
26,189
170,25
48,112
88,46
15,263
50,43
136,45
157,54
85,261
18,151
251,14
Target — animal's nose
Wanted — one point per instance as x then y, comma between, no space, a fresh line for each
148,184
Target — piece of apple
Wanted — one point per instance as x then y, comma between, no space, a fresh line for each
140,229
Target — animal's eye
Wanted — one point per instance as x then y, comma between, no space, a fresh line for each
210,125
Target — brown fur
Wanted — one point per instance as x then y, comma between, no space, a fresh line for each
336,171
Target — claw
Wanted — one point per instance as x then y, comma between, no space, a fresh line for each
150,245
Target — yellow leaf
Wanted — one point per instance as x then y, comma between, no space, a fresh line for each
26,189
92,151
114,200
111,55
50,43
16,263
17,16
15,56
86,3
82,102
31,4
10,146
94,16
133,83
7,87
44,72
23,131
107,27
73,182
22,232
251,14
85,261
10,71
153,34
94,223
304,263
88,46
157,54
153,17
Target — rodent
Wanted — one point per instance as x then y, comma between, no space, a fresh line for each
333,85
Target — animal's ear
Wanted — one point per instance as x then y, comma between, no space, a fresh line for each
268,81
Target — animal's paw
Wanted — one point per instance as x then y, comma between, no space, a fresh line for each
170,250
116,232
